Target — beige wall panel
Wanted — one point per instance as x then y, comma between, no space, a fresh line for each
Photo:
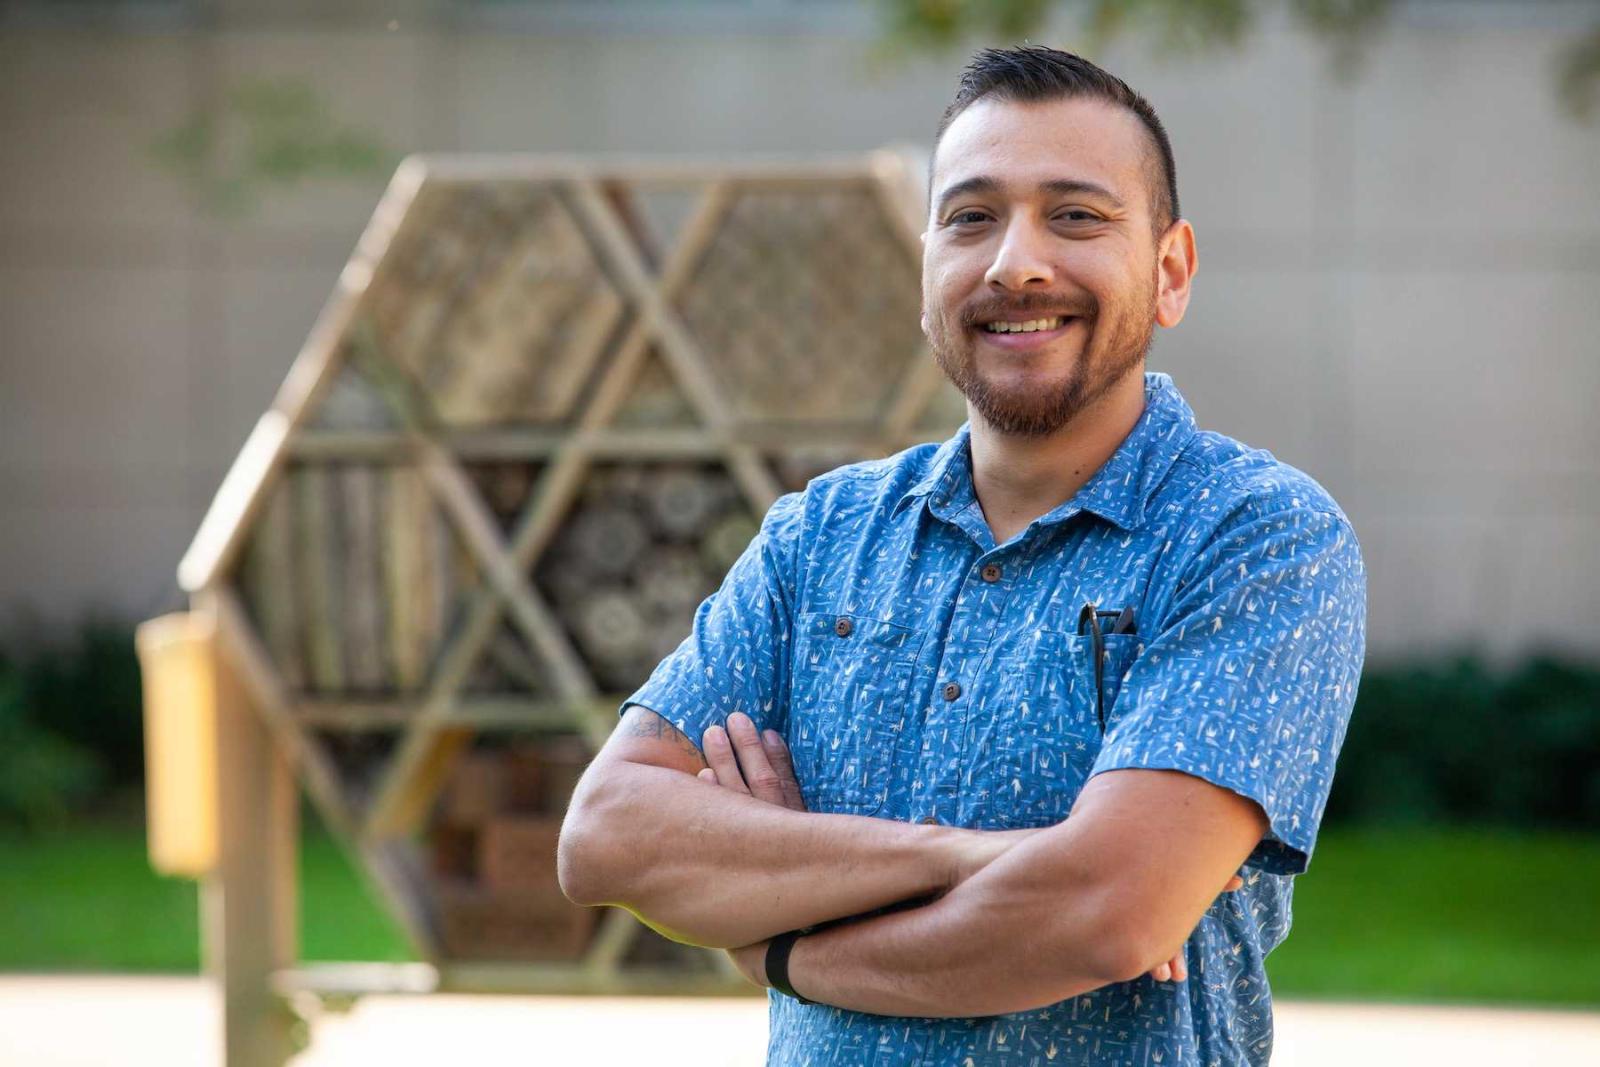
524,93
1461,131
368,79
80,113
713,93
65,559
1491,373
1552,596
1431,581
95,370
1510,585
267,313
1243,357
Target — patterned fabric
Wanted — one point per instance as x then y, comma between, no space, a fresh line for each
918,670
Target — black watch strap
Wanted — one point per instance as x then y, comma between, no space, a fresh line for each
778,963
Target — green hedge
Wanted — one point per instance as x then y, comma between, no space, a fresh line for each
1454,742
1446,740
71,731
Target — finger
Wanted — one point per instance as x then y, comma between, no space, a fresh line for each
758,773
719,753
1162,973
706,774
783,765
1233,883
1180,969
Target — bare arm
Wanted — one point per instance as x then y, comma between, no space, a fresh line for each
717,867
1099,898
780,786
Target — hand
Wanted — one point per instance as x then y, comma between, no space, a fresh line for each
1175,970
762,767
752,962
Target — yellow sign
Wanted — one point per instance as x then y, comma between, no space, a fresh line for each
178,657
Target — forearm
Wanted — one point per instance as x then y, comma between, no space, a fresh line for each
997,943
718,868
1100,898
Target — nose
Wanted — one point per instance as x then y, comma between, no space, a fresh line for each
1022,260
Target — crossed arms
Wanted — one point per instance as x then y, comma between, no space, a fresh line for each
1019,919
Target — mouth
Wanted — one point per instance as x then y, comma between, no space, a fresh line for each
1025,333
1054,322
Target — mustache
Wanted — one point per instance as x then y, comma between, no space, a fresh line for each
1039,305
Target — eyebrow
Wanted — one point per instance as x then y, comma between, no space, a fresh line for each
1055,187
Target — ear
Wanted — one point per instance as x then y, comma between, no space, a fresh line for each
1177,262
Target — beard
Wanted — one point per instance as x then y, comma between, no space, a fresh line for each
1038,410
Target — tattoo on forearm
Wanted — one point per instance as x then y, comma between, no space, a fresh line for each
642,722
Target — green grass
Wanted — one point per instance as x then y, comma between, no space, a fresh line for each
85,898
1404,915
1446,915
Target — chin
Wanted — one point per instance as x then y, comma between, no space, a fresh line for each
1030,420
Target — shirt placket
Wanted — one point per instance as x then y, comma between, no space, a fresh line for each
958,690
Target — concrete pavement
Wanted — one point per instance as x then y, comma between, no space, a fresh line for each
113,1021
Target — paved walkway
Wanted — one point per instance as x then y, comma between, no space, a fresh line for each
96,1021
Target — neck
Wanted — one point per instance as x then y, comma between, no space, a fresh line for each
1019,478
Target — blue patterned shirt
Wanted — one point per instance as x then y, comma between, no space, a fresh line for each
919,671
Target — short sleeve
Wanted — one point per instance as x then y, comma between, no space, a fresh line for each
1250,680
736,655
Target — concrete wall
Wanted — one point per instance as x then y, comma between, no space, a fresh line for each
1396,289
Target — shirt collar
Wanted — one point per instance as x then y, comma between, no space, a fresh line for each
1119,491
950,462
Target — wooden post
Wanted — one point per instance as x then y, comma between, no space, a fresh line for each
249,911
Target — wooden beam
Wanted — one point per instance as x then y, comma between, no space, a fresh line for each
248,904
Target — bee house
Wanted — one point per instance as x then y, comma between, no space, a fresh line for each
541,415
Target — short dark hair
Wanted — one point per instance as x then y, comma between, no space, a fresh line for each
1035,74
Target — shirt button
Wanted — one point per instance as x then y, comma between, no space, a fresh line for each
991,572
952,690
842,626
929,820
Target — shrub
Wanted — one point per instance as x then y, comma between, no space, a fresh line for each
1452,741
43,777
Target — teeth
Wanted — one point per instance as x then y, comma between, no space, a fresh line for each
1031,326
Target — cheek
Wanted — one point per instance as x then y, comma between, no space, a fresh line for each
940,304
947,279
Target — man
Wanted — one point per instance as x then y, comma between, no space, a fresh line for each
988,726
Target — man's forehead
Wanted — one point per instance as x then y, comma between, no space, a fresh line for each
1026,146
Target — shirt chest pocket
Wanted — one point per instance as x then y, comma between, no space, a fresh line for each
849,695
1048,731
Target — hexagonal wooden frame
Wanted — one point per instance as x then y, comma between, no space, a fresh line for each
440,724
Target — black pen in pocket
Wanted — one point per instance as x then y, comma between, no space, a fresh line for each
1124,623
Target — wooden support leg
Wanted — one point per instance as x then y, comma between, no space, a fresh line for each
249,911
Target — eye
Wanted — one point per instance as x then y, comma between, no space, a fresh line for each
1078,215
966,218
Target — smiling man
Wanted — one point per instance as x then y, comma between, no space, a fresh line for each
963,754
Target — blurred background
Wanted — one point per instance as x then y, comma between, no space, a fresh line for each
1399,245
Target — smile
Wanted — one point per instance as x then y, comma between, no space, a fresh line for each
1028,335
1030,326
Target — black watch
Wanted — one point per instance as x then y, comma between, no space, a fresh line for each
778,963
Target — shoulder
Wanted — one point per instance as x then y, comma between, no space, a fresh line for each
1220,482
856,498
868,488
1227,506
